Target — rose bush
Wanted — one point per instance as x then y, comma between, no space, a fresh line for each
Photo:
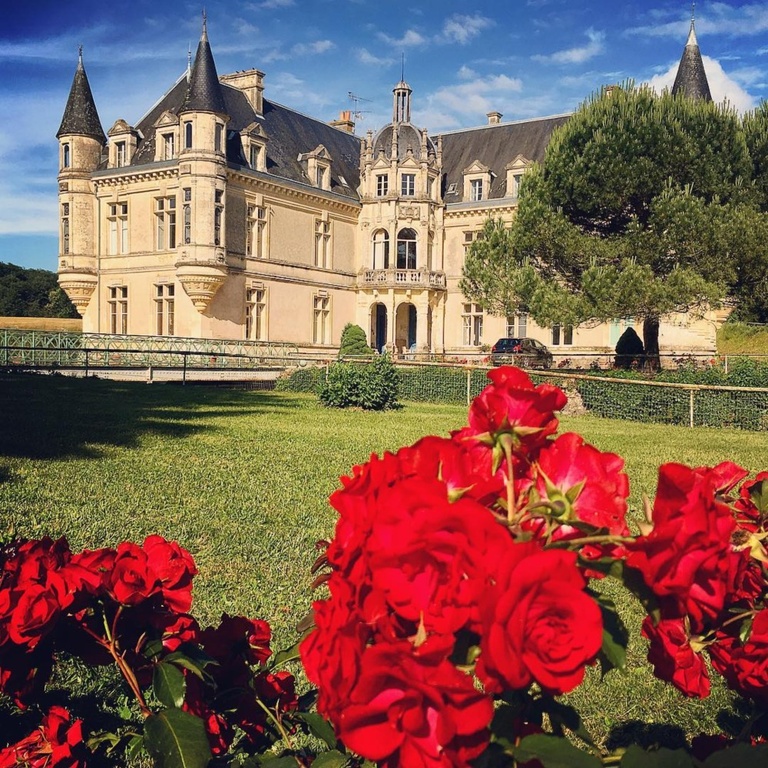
461,602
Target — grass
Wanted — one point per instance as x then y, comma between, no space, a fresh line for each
241,479
69,325
742,339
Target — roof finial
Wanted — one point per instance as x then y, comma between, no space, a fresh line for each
80,55
693,12
189,60
205,24
402,67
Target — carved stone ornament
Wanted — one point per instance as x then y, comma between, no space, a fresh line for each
79,286
201,281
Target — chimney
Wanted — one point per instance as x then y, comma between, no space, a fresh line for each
608,90
251,83
494,118
345,122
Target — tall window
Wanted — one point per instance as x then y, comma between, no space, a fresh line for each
255,314
381,249
118,309
255,152
476,190
65,227
187,212
164,309
408,185
120,154
165,218
472,324
255,232
517,325
118,228
562,334
218,140
218,216
517,179
322,243
406,249
188,135
169,146
382,185
321,329
66,159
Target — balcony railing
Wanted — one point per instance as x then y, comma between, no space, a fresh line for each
403,278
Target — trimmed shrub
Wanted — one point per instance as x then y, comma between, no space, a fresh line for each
301,380
353,341
372,386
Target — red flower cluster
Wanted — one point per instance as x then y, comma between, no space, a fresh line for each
454,556
58,743
704,559
126,606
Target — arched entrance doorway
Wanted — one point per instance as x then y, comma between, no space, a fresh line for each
378,335
405,327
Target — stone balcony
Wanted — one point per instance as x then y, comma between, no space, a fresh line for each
402,278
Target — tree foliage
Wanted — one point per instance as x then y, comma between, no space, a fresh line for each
353,341
638,209
32,293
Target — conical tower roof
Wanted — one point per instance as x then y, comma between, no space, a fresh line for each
204,94
691,80
80,115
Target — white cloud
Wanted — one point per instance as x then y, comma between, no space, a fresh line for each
579,54
718,19
465,73
318,46
270,4
410,38
722,86
364,56
461,29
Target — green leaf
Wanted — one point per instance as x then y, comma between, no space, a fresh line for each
168,684
745,630
635,757
740,754
758,493
554,752
332,759
135,747
318,727
280,762
563,715
286,655
176,739
186,662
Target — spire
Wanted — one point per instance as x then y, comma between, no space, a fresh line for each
691,79
204,93
80,115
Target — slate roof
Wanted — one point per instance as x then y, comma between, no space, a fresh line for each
407,136
289,134
691,80
204,93
495,146
80,115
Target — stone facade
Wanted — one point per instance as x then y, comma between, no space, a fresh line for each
224,215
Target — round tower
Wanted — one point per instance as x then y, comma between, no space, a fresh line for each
81,140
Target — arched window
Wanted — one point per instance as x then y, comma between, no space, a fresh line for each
406,249
67,161
381,249
188,135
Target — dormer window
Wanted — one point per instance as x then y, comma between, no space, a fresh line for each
515,172
477,182
120,156
254,143
253,159
318,167
169,146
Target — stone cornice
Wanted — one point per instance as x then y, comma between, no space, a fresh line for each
116,176
484,207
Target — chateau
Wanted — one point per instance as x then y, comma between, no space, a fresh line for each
222,214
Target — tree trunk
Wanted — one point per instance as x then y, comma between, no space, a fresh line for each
651,343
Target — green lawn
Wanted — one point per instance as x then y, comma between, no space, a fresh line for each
241,479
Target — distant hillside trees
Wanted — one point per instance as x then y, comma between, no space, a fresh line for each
32,293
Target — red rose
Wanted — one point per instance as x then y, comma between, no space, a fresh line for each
58,743
511,403
538,623
131,580
751,517
34,615
687,557
238,636
429,557
87,571
744,665
673,659
585,483
174,567
409,712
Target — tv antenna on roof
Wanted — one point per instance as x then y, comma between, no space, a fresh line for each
357,113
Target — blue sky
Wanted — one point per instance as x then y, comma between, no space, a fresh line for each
462,59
